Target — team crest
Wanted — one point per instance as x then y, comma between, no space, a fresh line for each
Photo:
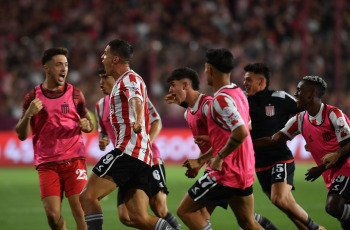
270,111
64,108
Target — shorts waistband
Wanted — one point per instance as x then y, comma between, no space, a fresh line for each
62,162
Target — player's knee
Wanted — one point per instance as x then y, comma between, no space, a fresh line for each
52,216
126,220
181,213
334,207
159,208
279,201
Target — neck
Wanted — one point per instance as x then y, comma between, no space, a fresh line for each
52,86
314,108
220,81
193,97
120,71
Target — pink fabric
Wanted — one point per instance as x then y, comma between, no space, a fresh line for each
238,167
321,139
56,133
198,123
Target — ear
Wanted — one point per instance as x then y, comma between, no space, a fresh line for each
185,85
46,68
116,59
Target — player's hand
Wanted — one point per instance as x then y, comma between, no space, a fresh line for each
330,159
171,99
84,125
34,107
191,163
102,143
216,163
137,127
202,140
314,173
192,173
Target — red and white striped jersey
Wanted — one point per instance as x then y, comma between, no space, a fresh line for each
128,86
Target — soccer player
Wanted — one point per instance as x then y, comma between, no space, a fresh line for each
269,111
327,134
128,166
184,86
55,113
231,156
158,182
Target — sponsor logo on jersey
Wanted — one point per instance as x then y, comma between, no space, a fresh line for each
64,108
270,110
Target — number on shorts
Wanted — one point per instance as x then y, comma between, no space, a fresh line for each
81,174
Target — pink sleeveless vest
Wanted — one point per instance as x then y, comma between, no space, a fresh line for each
56,133
198,123
238,167
321,140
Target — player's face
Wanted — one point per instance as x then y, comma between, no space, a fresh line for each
177,89
107,60
303,95
56,70
253,83
106,83
208,74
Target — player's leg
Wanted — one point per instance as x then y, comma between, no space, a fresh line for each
282,175
52,206
338,198
243,208
189,214
73,175
77,211
158,201
123,212
95,189
136,201
51,195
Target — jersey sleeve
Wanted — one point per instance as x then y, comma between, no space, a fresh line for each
224,112
340,124
292,127
132,87
153,113
99,114
27,100
205,108
79,101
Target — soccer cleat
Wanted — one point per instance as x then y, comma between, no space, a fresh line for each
321,227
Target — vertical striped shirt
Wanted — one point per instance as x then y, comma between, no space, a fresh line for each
130,85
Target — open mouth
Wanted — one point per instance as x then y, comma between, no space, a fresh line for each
61,77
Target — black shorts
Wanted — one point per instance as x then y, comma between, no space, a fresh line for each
209,193
278,173
341,185
126,171
157,180
157,183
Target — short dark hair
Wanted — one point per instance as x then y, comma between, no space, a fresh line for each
185,72
222,59
122,49
318,83
49,53
259,68
101,70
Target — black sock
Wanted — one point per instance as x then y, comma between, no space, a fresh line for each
311,224
94,221
170,218
162,225
264,222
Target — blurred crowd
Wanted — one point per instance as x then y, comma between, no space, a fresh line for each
294,37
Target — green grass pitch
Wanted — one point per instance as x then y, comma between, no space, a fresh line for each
21,208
